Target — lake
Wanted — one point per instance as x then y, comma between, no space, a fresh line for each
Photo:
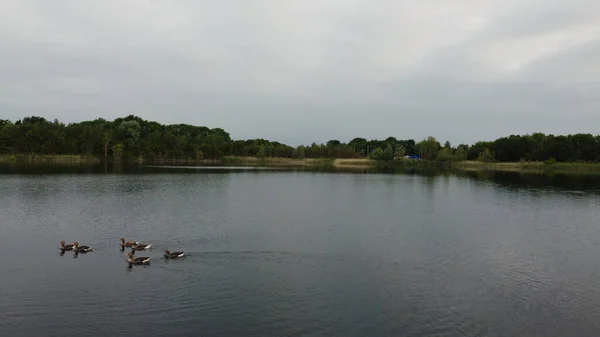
290,252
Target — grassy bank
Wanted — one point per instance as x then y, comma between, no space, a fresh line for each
48,159
523,167
355,162
270,161
529,167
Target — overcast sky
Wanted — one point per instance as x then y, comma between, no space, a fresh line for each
308,70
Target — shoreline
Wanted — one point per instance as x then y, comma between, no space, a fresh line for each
528,167
363,163
49,159
293,162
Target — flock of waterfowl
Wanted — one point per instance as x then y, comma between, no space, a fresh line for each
134,245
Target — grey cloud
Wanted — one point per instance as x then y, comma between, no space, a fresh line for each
308,71
577,65
534,17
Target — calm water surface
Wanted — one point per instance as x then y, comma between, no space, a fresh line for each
289,253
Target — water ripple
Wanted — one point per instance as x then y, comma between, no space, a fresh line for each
344,255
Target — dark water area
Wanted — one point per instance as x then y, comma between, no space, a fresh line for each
298,252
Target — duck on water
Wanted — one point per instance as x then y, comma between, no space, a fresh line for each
173,255
138,260
142,246
81,249
134,245
130,243
168,254
65,247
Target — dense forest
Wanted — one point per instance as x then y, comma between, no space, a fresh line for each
134,137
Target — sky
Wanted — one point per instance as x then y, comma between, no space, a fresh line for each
308,71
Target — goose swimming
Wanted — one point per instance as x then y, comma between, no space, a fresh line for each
137,260
141,246
130,243
81,249
173,255
65,247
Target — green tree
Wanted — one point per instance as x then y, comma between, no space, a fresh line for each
334,142
476,149
261,152
388,153
118,151
8,133
428,148
359,145
377,154
445,154
486,156
400,152
106,139
129,134
301,152
460,154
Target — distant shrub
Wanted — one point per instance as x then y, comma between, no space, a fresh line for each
377,154
486,156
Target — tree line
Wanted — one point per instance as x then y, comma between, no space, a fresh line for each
133,136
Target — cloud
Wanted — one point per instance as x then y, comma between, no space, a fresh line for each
303,71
